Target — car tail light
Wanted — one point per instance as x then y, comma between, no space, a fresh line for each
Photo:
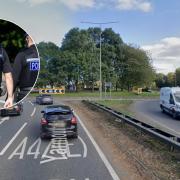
43,121
74,120
18,109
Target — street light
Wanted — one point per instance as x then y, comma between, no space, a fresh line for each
100,62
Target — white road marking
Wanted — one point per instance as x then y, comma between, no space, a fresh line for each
37,152
84,146
21,147
12,140
101,154
34,110
2,101
50,158
69,155
4,119
55,147
31,103
59,149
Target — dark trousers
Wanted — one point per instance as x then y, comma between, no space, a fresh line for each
22,93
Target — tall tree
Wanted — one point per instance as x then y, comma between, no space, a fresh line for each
177,78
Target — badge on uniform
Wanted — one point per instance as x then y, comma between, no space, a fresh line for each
34,64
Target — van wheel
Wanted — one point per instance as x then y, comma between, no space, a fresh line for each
162,109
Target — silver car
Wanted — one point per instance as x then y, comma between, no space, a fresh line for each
44,99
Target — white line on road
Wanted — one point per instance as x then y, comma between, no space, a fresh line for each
34,110
11,141
2,101
101,154
21,147
85,147
4,119
31,103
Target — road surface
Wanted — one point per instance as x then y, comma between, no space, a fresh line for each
24,156
149,111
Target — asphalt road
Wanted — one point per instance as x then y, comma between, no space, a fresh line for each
150,112
24,156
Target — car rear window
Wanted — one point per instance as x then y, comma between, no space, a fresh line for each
58,115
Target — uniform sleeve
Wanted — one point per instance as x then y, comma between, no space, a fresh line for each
6,65
17,68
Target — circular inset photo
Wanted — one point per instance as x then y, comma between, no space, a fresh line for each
19,64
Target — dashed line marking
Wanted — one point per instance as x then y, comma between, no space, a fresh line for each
34,110
31,103
12,140
99,151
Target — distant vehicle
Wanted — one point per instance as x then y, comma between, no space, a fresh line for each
35,90
146,89
44,99
14,111
170,101
58,117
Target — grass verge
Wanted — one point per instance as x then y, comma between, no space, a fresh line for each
114,94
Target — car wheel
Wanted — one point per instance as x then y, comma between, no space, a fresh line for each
75,135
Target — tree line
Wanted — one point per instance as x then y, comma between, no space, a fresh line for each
11,38
170,80
76,61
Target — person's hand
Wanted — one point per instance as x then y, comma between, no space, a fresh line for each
9,102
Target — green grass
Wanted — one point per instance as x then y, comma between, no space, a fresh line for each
118,105
119,94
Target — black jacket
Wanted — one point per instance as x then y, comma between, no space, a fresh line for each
24,75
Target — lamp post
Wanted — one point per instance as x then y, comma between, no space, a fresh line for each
100,53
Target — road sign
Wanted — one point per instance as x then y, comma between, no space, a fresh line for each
108,84
52,90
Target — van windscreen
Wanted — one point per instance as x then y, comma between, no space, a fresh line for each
177,97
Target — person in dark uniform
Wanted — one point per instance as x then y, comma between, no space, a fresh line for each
25,69
5,68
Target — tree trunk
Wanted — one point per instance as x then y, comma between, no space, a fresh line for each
76,86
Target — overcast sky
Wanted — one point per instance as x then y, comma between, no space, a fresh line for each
151,24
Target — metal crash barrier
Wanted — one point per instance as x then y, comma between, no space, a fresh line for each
164,136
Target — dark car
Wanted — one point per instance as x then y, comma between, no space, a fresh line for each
14,111
44,99
58,117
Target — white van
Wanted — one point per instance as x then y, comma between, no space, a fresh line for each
170,100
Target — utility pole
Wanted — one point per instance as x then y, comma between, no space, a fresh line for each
100,53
